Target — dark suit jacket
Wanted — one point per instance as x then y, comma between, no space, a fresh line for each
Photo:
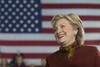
85,56
22,65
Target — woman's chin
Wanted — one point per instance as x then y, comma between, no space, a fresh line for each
62,42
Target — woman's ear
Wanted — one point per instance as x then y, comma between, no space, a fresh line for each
75,32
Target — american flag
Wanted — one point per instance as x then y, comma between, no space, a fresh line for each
25,26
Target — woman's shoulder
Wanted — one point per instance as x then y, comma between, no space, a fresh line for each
90,48
54,54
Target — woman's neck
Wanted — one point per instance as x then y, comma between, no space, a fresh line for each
65,44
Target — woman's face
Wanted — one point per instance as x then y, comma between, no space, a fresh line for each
64,32
19,60
4,61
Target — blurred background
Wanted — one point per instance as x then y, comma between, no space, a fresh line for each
25,26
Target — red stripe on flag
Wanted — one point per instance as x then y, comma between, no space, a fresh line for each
41,43
92,30
87,18
28,43
70,6
87,30
28,55
47,30
92,42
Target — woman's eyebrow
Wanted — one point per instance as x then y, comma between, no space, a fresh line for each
62,24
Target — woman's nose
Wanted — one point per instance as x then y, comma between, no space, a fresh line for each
58,31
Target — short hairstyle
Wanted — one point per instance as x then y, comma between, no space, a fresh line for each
20,55
75,21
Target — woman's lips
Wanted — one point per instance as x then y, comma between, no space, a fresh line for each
60,36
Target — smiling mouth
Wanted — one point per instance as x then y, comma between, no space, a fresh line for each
59,37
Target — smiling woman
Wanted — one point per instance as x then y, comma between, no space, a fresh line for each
69,33
64,32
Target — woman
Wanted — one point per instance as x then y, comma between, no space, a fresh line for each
69,33
19,61
4,63
43,62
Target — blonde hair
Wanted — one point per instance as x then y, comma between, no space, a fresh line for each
75,21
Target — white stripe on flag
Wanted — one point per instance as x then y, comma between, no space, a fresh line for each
35,61
42,37
71,1
28,49
86,24
24,37
90,12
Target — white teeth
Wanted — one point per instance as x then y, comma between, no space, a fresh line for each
60,36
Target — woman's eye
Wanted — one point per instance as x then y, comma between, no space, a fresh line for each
62,26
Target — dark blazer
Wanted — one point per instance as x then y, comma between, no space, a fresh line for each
85,56
22,65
